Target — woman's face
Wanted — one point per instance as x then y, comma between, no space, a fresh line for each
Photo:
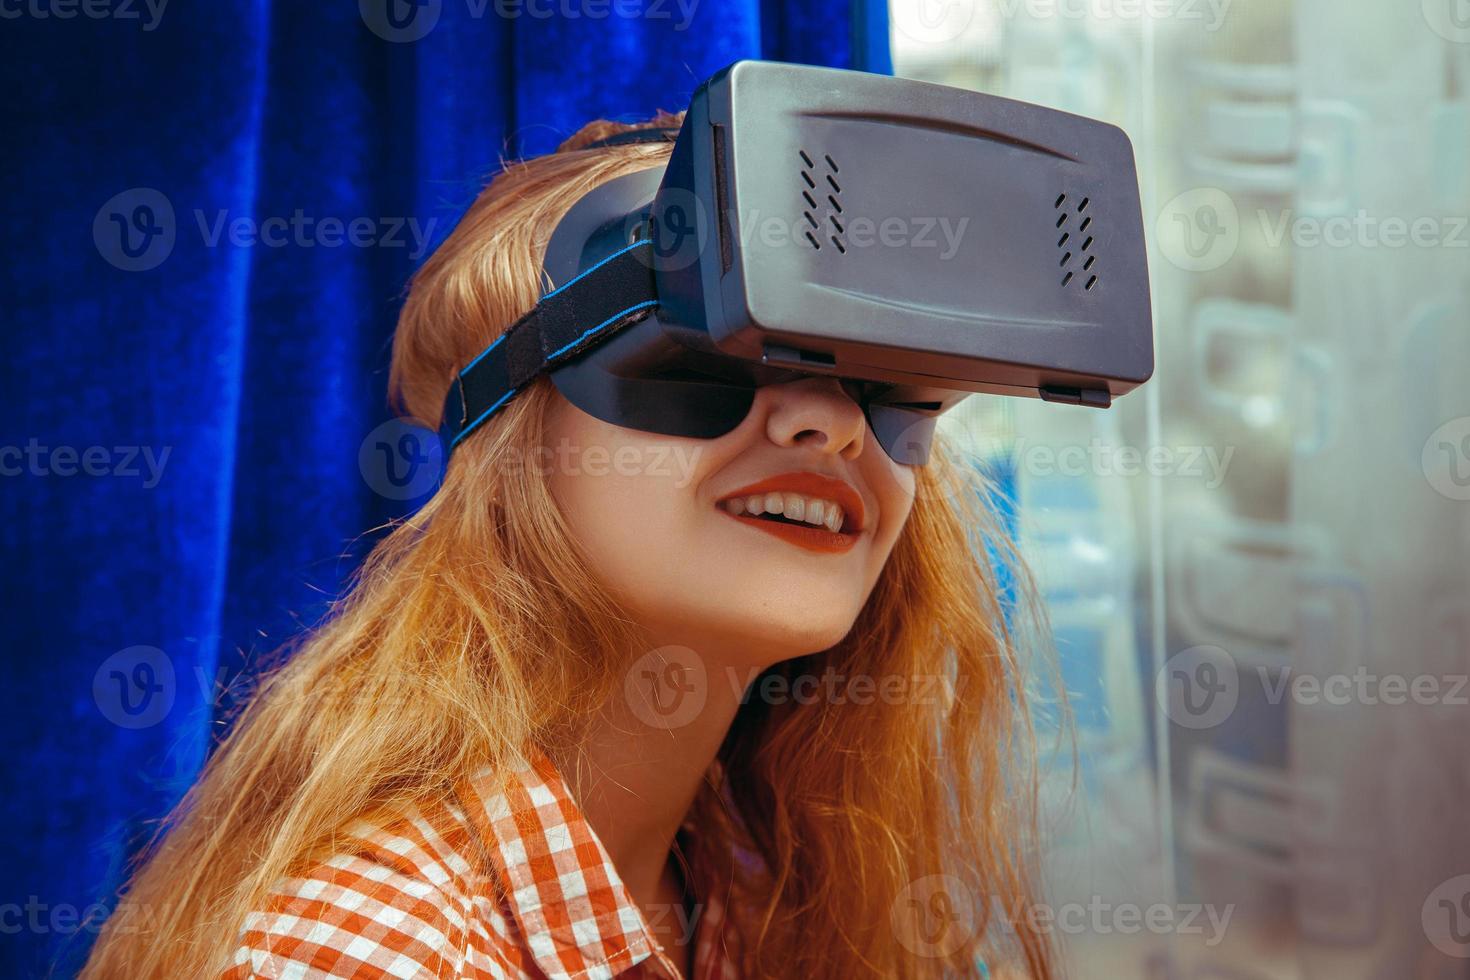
683,530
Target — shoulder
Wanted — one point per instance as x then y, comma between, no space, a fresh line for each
403,894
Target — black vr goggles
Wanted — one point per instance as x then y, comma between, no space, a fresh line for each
917,241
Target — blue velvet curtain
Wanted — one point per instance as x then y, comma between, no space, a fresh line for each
212,210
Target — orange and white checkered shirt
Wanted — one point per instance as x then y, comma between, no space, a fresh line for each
498,879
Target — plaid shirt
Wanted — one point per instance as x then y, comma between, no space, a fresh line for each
493,881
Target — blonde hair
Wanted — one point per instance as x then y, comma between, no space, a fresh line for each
473,630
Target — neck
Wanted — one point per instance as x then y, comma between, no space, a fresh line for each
643,760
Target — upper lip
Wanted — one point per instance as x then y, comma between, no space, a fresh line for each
811,485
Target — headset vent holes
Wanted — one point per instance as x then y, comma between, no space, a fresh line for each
822,215
1084,253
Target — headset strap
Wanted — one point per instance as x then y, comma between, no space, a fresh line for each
614,293
645,134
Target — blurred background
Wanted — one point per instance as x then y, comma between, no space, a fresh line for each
1257,566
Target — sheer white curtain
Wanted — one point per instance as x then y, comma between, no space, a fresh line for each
1258,566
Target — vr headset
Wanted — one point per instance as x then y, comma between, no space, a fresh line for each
918,242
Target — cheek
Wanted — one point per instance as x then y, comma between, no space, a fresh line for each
628,504
629,501
894,487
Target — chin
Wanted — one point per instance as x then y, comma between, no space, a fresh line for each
749,635
769,641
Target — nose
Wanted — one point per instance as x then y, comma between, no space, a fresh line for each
815,413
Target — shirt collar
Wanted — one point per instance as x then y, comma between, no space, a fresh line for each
573,910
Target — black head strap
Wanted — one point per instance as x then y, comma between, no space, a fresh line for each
617,291
647,134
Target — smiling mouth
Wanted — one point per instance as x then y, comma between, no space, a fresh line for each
806,509
793,509
804,535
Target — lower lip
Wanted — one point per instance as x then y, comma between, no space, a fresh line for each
811,538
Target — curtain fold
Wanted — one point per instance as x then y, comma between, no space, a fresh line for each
213,212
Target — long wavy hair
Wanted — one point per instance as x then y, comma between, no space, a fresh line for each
474,630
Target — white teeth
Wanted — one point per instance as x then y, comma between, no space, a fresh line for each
795,507
792,506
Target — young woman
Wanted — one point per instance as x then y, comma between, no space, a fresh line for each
592,712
